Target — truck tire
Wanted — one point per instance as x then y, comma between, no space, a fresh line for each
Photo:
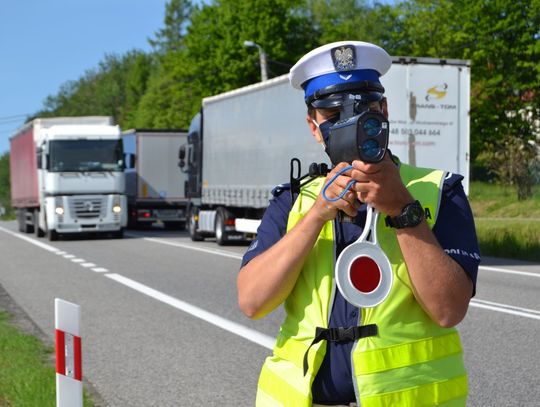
119,234
174,225
193,225
132,219
20,220
219,227
52,235
37,230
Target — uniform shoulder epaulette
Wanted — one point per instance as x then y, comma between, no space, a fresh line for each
451,180
279,189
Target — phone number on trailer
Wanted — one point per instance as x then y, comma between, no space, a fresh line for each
419,132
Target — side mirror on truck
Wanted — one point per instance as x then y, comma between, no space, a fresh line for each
130,161
39,155
182,156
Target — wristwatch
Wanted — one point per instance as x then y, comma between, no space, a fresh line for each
411,215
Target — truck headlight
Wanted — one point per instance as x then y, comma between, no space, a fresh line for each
117,209
59,210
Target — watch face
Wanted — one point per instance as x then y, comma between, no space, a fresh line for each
416,213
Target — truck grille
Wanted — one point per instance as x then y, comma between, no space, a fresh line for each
87,208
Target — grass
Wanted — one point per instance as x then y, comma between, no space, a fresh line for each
27,376
505,226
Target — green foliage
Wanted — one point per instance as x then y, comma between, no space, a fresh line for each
177,18
214,58
5,186
509,238
505,226
199,52
26,374
500,37
490,200
114,89
339,20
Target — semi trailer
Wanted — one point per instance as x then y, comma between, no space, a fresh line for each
241,143
155,188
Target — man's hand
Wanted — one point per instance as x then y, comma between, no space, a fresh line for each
349,204
380,186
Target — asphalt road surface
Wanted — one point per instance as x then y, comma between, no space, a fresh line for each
161,326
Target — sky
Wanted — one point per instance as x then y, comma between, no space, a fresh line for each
45,43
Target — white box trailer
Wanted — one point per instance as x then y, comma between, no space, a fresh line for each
155,187
241,143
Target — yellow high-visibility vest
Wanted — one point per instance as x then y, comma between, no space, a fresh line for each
410,362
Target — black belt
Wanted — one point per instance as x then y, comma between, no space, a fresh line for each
340,335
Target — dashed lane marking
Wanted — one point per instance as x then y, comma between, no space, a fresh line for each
489,305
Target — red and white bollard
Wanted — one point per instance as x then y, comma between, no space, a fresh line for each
69,389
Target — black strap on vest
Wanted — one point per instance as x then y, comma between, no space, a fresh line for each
340,335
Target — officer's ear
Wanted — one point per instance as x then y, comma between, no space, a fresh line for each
315,132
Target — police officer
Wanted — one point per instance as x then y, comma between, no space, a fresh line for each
404,351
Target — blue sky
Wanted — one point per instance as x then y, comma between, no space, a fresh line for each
44,43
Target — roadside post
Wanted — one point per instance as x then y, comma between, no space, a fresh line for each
68,354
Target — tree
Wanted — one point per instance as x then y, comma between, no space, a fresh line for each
113,89
340,20
5,186
177,19
215,60
500,38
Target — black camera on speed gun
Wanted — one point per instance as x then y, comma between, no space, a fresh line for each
359,133
362,137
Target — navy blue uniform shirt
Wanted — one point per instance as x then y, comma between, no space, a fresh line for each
454,230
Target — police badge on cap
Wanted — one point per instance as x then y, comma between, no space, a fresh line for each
344,58
325,66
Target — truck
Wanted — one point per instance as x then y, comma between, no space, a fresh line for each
241,143
67,176
155,188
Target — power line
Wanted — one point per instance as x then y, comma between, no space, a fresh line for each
13,116
3,122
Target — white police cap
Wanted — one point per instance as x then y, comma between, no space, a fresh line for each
339,62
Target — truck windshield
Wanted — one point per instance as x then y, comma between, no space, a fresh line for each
85,155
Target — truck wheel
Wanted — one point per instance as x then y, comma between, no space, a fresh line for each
24,225
193,225
174,225
219,227
119,234
20,220
52,235
37,230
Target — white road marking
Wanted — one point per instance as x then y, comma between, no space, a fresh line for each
54,250
218,252
230,326
509,271
30,240
507,309
265,340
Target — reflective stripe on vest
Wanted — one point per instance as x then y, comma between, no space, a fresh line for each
412,362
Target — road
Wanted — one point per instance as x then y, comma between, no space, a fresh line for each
161,326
